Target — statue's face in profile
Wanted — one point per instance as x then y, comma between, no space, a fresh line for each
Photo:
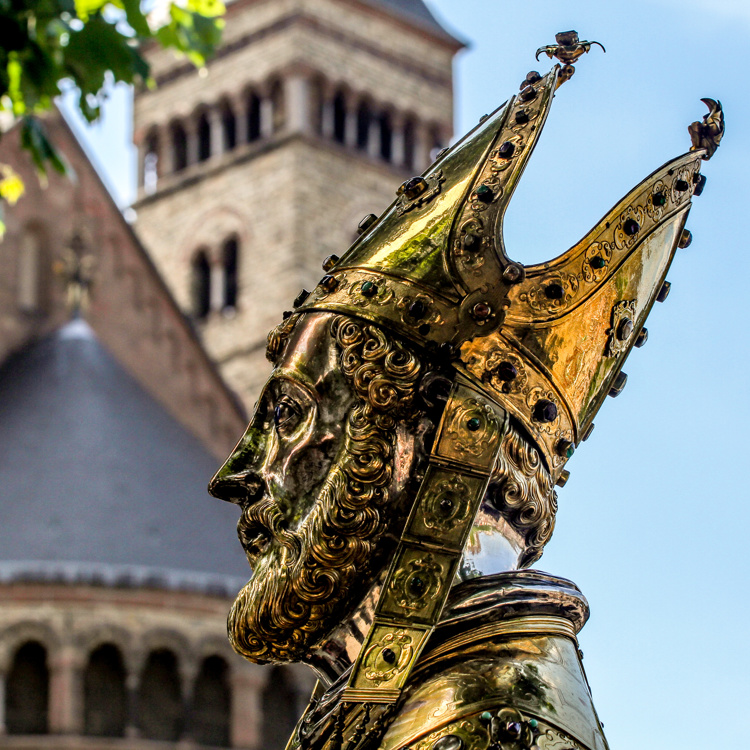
319,476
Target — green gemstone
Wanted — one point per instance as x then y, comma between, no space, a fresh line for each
570,451
486,716
473,424
533,723
369,289
597,262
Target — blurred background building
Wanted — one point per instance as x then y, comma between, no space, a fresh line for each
116,568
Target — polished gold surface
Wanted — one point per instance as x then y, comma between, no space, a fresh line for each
435,269
534,672
398,474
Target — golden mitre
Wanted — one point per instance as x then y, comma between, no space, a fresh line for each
546,341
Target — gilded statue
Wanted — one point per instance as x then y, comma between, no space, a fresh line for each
397,480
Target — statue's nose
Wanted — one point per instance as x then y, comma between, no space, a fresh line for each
239,488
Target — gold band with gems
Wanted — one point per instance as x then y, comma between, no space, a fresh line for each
430,549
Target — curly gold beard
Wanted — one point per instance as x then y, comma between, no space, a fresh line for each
308,579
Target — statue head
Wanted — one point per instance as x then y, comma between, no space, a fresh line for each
327,473
425,399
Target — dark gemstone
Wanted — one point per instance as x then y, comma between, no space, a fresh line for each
413,188
663,292
565,448
554,291
522,117
681,185
506,150
286,314
659,199
300,298
630,227
417,309
365,224
545,411
700,183
481,311
528,94
624,329
484,193
483,118
474,424
424,329
389,656
447,350
597,262
449,742
512,729
533,76
472,243
329,283
642,337
506,371
416,585
587,433
369,289
686,238
513,273
618,385
446,505
330,262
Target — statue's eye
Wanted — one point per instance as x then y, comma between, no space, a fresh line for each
285,415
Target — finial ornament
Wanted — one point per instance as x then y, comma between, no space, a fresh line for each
708,134
568,48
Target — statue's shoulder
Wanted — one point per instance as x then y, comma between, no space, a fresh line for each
523,685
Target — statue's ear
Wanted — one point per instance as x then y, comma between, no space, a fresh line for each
434,390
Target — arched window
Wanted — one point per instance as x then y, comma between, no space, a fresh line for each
150,174
204,137
201,285
179,146
364,117
160,698
27,691
279,710
211,710
228,127
105,704
386,137
32,270
253,117
230,260
277,103
410,143
339,118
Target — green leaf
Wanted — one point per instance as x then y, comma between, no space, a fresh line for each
87,8
34,140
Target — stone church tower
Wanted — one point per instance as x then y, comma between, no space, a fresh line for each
251,173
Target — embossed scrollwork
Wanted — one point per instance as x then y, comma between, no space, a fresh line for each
448,506
628,230
623,321
473,429
555,294
389,656
596,262
417,582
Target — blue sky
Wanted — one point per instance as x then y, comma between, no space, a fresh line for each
652,523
